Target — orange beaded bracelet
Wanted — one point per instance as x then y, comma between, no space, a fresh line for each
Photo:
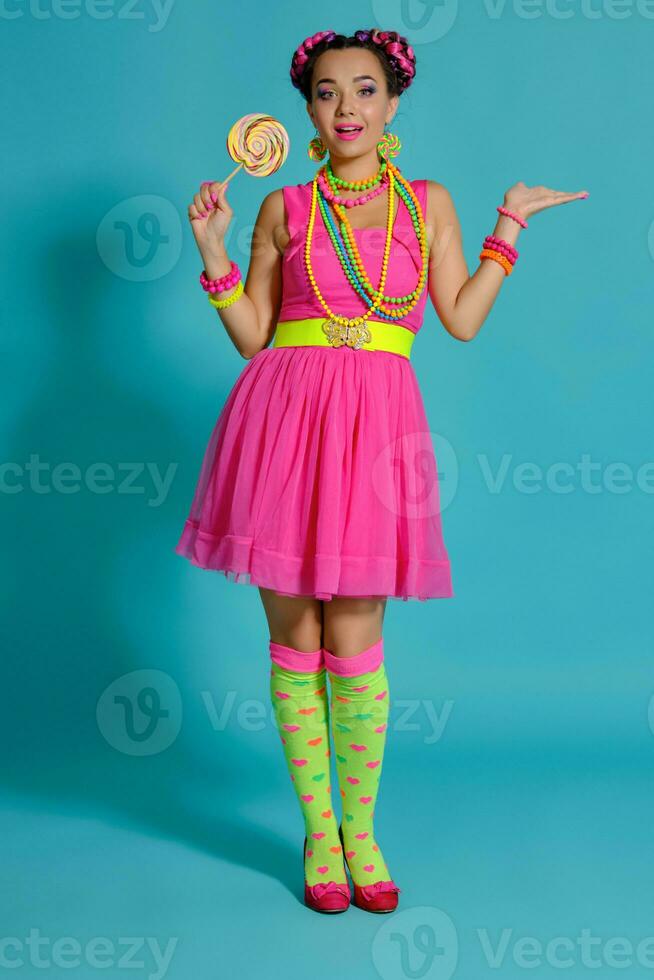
490,253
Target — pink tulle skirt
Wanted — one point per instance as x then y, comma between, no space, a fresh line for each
320,479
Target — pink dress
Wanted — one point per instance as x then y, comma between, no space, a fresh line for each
320,477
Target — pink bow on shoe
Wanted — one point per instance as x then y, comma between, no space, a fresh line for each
321,887
370,891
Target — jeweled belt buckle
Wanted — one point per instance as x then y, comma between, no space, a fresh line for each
355,335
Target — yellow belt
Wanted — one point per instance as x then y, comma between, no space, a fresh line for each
322,332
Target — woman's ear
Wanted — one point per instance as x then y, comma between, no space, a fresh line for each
393,101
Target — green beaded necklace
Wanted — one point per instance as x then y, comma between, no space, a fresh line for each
355,185
347,256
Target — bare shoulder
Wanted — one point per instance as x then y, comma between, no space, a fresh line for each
271,219
440,205
272,206
274,200
441,212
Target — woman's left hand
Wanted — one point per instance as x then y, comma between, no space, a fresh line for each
530,200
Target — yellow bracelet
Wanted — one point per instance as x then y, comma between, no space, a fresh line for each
222,304
490,253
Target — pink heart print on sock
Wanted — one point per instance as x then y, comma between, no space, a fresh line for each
301,709
359,721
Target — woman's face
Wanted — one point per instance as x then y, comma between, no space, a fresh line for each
349,88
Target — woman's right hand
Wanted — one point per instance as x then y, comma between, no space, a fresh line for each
210,220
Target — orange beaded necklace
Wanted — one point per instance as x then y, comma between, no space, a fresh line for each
388,306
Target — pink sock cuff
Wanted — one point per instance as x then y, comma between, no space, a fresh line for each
291,659
362,663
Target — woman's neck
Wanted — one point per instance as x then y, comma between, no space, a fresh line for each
361,168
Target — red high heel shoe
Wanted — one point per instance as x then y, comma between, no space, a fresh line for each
326,896
380,896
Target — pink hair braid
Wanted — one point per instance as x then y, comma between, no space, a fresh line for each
301,55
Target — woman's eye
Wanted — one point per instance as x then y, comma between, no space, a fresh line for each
323,94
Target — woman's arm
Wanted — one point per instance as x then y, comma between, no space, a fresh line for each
250,321
462,301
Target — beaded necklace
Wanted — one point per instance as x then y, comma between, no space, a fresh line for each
330,193
384,307
404,303
355,185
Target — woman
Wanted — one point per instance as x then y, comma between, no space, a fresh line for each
319,483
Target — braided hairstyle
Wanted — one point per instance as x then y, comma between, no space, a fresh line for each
395,54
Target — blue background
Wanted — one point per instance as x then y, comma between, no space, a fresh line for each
529,810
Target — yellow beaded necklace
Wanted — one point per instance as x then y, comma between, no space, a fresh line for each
336,323
335,318
401,310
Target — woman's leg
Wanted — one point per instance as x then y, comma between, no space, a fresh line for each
295,621
354,658
298,691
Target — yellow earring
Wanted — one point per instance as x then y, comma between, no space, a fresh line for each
316,149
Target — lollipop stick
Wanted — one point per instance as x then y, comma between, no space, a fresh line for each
223,182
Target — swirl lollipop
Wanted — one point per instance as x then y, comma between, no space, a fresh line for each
259,144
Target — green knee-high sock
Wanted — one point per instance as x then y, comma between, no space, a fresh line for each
298,690
359,713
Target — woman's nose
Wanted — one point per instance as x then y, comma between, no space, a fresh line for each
345,106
